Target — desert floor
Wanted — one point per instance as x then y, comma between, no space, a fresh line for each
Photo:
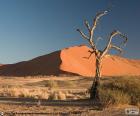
42,95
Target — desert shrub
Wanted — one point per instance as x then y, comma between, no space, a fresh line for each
122,89
51,84
10,92
34,93
110,97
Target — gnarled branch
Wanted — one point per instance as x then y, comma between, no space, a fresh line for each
91,52
91,30
83,35
113,34
97,17
116,48
87,25
95,21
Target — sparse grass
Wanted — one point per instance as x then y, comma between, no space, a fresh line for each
59,83
36,93
121,90
110,97
113,90
24,92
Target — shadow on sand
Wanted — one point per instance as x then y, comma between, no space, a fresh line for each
44,102
90,105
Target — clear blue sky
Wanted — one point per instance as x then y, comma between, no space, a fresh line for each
30,28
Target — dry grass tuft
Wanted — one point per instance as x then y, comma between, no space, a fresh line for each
24,92
57,96
51,84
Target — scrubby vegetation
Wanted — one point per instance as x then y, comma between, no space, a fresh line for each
113,90
120,90
51,84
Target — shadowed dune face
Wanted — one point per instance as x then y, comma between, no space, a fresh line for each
43,65
73,60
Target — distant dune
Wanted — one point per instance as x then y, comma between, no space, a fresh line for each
74,61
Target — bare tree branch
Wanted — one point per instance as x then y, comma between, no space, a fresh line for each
113,34
87,25
91,30
116,48
97,17
91,52
125,39
82,34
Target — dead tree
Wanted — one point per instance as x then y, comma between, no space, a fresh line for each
99,54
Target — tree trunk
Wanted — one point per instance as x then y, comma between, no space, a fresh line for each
94,92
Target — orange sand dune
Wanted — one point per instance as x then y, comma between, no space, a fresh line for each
73,60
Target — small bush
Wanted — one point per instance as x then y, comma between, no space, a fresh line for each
51,84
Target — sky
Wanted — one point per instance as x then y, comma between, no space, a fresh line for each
31,28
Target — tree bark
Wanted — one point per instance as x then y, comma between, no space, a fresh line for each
94,93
